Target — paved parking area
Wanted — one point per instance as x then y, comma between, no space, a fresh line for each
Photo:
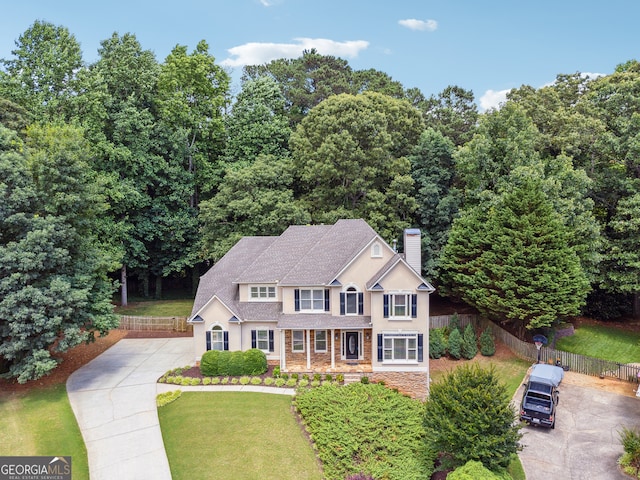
585,443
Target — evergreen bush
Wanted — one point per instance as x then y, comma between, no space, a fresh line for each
469,347
437,344
209,363
255,362
487,344
455,344
454,323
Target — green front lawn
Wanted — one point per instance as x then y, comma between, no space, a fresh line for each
235,436
42,423
603,342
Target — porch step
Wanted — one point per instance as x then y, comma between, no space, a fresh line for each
352,377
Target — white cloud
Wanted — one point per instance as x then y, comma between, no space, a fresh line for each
255,53
413,24
493,99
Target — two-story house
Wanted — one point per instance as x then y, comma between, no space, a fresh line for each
321,298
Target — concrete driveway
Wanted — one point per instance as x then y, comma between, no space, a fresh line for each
585,443
114,400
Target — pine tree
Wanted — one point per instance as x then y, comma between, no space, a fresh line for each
455,344
469,347
437,345
487,345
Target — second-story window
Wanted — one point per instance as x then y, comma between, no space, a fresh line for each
351,302
400,305
262,292
311,300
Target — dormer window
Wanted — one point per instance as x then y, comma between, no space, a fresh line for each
376,250
262,293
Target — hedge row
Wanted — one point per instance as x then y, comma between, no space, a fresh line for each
236,363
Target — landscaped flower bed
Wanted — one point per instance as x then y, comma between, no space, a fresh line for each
191,376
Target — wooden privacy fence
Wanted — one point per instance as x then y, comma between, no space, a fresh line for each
528,351
172,324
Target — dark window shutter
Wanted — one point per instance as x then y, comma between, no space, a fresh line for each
379,347
385,299
226,341
253,339
360,303
271,340
296,299
342,303
208,340
420,347
326,299
414,305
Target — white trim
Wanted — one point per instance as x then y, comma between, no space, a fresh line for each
312,300
215,297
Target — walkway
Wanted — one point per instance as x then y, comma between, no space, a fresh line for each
114,400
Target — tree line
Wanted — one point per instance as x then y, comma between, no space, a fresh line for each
130,169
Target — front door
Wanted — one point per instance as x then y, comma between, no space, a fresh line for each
351,344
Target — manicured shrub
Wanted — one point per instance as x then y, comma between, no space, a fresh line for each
224,381
292,382
487,344
276,372
255,362
303,383
455,344
317,376
195,381
209,363
256,380
223,363
340,378
469,347
234,380
215,380
437,344
236,364
165,398
364,380
305,376
280,382
315,383
244,380
474,470
284,376
328,377
294,376
207,380
383,438
269,381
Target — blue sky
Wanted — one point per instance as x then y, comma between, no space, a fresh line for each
486,46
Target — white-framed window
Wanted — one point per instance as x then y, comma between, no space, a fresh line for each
262,340
400,304
217,338
376,250
320,337
400,347
312,300
297,340
262,293
351,301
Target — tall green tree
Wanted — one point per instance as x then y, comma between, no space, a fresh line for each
512,261
42,75
257,123
437,194
54,290
351,153
257,199
452,112
121,125
468,417
192,95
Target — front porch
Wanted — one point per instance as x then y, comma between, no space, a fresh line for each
326,351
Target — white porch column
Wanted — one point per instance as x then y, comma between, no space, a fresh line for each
333,349
308,349
283,349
